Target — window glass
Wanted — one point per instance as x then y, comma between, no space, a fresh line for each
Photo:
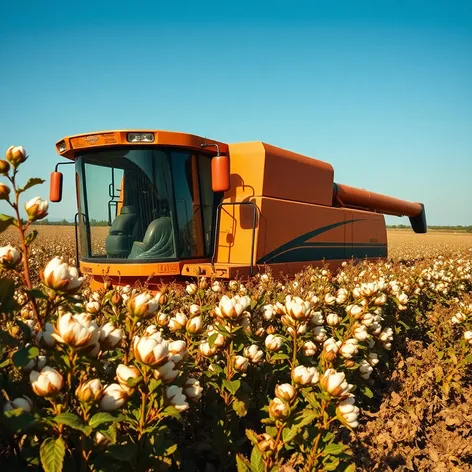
128,200
128,197
81,218
102,207
187,202
207,197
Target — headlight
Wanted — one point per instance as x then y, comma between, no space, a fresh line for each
140,137
62,146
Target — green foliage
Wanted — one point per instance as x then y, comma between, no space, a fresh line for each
5,222
31,183
23,356
74,422
103,418
52,454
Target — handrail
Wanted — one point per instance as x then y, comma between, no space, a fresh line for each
251,270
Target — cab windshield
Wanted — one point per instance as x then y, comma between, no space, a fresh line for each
144,204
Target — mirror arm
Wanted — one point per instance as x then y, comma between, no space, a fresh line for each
63,164
55,186
204,145
220,172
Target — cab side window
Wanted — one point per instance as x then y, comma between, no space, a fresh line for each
209,201
187,203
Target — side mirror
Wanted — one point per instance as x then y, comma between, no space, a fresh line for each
55,187
220,173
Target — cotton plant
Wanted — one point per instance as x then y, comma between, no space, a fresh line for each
85,362
266,370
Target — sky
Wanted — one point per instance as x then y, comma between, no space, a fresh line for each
382,90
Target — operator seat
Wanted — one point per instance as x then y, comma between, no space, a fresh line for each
119,239
158,241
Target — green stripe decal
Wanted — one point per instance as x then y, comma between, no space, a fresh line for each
298,250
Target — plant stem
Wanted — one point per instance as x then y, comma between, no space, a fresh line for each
272,459
314,451
85,453
294,354
142,416
130,340
83,464
228,399
70,374
143,419
26,269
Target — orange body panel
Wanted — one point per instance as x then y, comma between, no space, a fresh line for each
302,217
117,269
299,232
259,169
291,176
235,233
268,177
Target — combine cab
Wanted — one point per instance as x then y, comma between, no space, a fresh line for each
156,205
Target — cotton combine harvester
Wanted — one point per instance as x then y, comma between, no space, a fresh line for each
158,205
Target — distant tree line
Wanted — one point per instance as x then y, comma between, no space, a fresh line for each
64,222
459,228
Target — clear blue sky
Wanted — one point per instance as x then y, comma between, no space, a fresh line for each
380,89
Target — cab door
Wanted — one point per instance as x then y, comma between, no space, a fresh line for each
195,203
209,203
187,204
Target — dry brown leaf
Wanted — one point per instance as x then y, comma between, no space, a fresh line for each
453,421
440,467
396,399
433,454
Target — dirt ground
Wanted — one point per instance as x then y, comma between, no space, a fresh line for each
404,244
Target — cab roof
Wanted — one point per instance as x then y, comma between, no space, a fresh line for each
69,145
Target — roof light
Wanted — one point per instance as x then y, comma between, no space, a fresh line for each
140,137
62,146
